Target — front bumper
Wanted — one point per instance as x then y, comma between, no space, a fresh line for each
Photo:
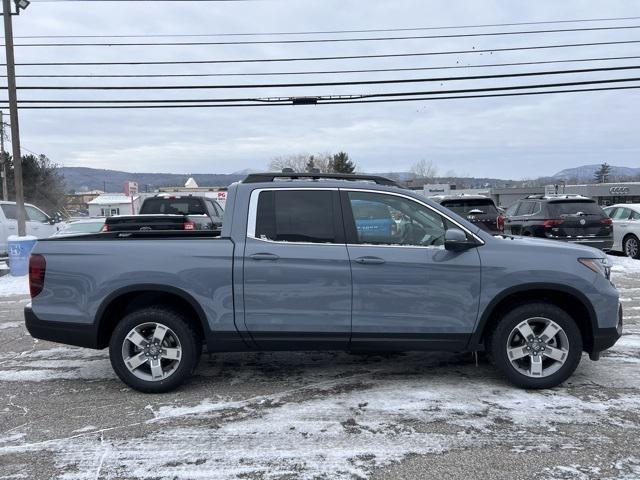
60,332
604,338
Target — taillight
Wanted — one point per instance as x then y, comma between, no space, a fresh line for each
105,228
37,268
189,225
500,223
552,223
607,221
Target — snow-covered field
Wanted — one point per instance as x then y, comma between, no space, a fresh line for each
63,414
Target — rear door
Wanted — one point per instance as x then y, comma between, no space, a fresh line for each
297,277
408,291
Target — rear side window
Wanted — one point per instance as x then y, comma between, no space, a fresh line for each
621,214
559,209
297,216
463,206
635,215
9,211
526,208
173,206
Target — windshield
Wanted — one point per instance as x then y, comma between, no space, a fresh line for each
588,207
464,206
173,206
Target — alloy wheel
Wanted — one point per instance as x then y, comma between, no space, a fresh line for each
631,247
537,347
151,351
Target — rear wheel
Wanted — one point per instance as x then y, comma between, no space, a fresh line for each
632,247
536,345
154,350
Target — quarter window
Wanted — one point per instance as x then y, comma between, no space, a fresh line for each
621,214
391,220
9,211
526,208
297,216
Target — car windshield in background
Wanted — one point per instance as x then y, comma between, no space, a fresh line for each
173,206
462,207
370,210
559,209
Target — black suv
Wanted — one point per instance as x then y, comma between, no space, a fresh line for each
476,209
571,218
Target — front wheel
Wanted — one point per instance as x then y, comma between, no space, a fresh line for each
154,350
632,247
536,345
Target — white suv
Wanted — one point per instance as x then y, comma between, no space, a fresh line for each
39,224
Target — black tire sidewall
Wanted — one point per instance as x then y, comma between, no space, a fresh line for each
189,342
500,334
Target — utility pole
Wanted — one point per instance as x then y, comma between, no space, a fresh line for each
13,114
4,160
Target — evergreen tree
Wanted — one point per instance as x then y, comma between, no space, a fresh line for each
602,174
340,163
43,184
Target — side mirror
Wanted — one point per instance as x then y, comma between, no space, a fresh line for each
456,240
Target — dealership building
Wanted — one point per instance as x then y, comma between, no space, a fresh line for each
603,193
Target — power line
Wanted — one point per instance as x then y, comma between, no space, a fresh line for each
339,57
352,96
328,32
329,102
323,72
333,84
331,40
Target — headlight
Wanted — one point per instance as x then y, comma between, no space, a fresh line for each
598,265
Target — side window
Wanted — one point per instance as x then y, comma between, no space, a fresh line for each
390,220
610,211
35,215
621,214
9,211
511,211
297,216
526,208
635,215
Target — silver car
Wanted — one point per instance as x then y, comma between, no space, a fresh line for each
626,228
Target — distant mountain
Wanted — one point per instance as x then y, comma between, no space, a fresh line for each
586,172
83,178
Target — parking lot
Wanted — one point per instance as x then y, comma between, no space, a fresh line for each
63,414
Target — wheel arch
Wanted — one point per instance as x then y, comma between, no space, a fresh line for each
133,297
574,302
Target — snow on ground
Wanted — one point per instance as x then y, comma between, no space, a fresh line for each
625,265
10,285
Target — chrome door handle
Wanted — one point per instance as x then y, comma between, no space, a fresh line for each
369,260
264,256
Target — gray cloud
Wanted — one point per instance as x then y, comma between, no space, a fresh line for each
512,137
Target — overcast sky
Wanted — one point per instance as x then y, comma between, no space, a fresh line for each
513,137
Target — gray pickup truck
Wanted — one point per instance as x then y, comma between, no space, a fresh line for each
297,267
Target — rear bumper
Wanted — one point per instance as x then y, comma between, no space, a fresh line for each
60,332
604,338
599,243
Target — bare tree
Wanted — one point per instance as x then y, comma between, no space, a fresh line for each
301,162
424,169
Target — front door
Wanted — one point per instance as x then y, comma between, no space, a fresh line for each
408,291
297,279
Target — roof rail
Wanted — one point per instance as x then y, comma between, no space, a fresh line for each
271,176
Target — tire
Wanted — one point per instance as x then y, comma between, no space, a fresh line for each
536,369
631,247
137,361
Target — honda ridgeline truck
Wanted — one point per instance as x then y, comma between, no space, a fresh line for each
294,268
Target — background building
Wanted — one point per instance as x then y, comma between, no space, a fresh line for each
114,204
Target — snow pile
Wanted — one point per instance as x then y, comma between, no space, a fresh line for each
10,285
625,265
